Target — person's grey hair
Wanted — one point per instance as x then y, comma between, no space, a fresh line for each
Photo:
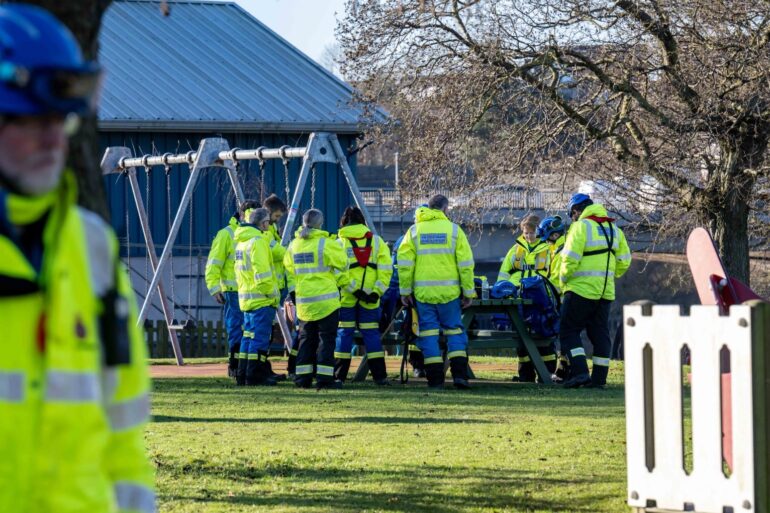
259,215
311,219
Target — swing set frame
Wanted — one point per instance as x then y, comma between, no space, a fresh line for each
215,154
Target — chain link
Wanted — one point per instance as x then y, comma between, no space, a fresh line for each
312,187
171,262
149,216
128,226
261,181
286,179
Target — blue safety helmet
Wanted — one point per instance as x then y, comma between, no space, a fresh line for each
42,70
502,289
549,226
576,200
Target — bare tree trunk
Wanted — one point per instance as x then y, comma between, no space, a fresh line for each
729,228
84,19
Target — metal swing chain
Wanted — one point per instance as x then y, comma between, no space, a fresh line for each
261,174
147,170
190,261
286,176
312,187
167,169
128,227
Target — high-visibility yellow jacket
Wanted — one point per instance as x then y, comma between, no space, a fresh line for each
278,252
435,261
254,269
589,263
376,276
319,267
524,260
73,373
220,275
553,271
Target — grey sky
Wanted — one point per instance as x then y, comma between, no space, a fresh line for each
307,24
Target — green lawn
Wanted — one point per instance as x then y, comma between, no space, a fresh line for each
499,447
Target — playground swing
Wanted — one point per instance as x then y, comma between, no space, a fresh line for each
322,147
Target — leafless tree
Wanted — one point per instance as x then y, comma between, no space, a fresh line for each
669,99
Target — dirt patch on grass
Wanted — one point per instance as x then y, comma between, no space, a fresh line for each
209,370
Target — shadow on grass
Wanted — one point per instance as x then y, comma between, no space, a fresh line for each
414,489
342,420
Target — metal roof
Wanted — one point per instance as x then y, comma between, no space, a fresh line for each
211,66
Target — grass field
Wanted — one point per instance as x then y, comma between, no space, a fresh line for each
500,447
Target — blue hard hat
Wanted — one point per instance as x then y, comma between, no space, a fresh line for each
549,226
502,289
576,200
42,69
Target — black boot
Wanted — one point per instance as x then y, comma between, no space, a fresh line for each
260,376
599,376
379,372
459,368
291,364
435,374
341,368
240,376
232,366
550,366
580,380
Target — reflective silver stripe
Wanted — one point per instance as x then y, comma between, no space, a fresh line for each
435,283
572,254
599,241
304,369
413,232
325,370
128,414
379,285
230,231
601,274
321,244
455,229
405,263
11,386
262,276
254,296
605,362
213,290
384,267
134,497
230,283
404,292
624,257
469,292
101,252
214,261
578,351
72,386
465,263
436,251
503,276
311,270
316,299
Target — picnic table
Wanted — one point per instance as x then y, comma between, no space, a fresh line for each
519,336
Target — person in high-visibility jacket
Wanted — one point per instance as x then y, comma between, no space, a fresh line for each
319,266
435,270
220,280
277,209
74,384
371,267
258,295
594,255
552,230
529,256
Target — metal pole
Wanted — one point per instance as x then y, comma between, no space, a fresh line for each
206,157
294,207
343,163
223,155
145,223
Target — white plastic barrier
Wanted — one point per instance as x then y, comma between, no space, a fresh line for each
654,338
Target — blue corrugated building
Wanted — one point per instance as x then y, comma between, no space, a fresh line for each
212,69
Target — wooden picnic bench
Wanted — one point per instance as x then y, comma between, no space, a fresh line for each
519,336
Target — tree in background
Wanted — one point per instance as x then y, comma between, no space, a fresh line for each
668,100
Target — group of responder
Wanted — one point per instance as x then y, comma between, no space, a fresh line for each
337,281
580,262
